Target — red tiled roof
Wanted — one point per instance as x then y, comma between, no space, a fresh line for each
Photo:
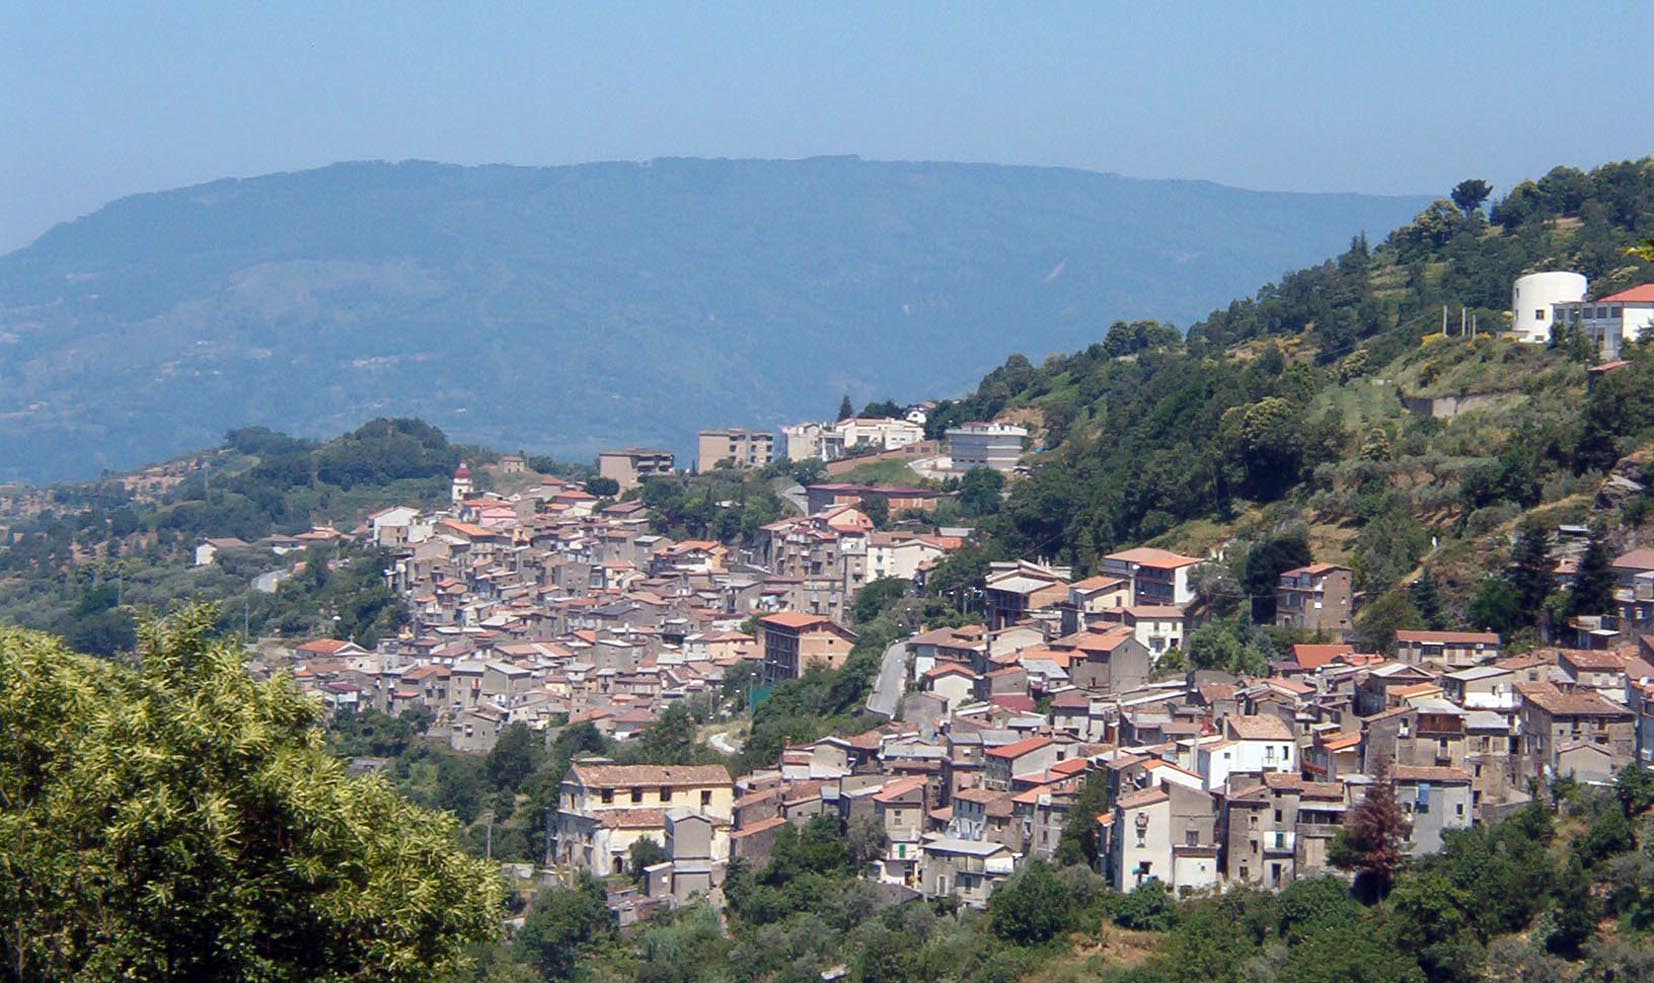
1643,294
1316,656
1020,748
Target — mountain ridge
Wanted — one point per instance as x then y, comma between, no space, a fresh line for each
552,308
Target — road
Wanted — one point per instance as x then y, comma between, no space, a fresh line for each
723,745
887,689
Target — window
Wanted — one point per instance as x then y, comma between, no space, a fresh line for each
665,794
637,795
1539,315
1277,815
1191,837
706,798
1269,752
1458,808
608,795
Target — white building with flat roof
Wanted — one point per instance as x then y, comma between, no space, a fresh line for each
986,445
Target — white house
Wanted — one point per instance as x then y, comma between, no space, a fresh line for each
1255,745
1611,321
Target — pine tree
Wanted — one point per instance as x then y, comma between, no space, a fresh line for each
1531,570
1427,598
1593,591
1371,841
846,409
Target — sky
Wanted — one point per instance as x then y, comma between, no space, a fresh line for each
103,100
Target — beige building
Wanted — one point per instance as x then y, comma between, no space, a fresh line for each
604,809
629,466
743,448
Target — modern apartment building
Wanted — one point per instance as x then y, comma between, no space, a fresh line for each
630,465
986,445
744,448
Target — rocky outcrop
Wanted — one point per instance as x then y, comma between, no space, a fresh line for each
1628,479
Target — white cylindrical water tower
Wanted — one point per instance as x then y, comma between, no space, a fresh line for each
1531,300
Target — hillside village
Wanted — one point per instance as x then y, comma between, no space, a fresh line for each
1145,633
552,606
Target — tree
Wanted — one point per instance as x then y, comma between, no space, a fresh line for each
1078,843
514,756
1495,606
1634,786
1469,195
1532,576
642,855
1031,907
1370,841
563,923
1593,591
1264,565
670,740
979,492
182,820
846,409
603,487
1574,915
1427,600
1148,908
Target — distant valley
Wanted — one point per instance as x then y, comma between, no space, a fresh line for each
563,309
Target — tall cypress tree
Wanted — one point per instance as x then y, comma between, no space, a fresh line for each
846,409
1426,597
1531,570
1593,591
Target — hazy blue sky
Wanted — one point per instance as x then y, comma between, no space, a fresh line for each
102,100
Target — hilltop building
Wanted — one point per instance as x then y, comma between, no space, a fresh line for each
986,445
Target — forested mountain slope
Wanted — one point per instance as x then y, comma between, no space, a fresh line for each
563,309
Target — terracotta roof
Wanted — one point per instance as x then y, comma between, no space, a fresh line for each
323,646
1339,741
1637,559
1642,294
1316,656
1264,727
1150,557
1551,699
1099,582
1593,659
898,788
1020,748
758,827
1448,637
1145,797
632,818
646,775
794,619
